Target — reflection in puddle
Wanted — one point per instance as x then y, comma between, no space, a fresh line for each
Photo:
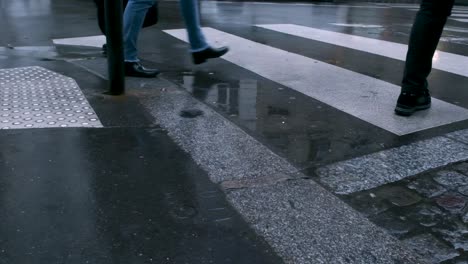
233,99
288,121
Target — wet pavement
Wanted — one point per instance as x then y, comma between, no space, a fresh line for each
428,211
76,201
256,127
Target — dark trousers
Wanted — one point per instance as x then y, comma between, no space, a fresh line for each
425,34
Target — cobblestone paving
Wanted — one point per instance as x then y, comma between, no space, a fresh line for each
429,212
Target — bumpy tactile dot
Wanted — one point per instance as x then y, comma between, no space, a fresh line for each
34,97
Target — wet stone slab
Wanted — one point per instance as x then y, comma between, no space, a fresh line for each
465,218
427,215
456,235
429,211
451,179
463,190
461,135
461,167
452,202
302,221
396,224
391,165
427,187
368,203
429,246
399,196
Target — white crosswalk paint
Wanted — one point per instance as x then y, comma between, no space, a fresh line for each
460,20
459,15
359,95
444,61
91,41
456,29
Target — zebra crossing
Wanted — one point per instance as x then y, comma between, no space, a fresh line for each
364,97
361,96
459,14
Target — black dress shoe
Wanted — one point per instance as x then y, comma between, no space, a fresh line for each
135,69
209,53
410,102
104,49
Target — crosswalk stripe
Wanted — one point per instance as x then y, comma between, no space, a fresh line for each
89,41
444,61
459,15
454,29
460,20
364,97
405,6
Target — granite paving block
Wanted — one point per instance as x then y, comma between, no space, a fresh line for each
368,203
395,224
391,165
427,187
399,196
219,146
306,224
429,246
451,179
426,215
465,218
463,190
461,135
462,167
452,202
457,236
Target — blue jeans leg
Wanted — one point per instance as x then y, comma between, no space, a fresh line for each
190,13
134,16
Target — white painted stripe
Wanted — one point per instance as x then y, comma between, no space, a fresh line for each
461,20
291,4
404,6
359,95
92,41
456,8
357,25
353,6
454,29
444,61
459,15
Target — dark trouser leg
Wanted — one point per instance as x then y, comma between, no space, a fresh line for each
425,36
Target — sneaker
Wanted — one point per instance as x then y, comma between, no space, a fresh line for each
410,102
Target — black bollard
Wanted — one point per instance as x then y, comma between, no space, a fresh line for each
115,46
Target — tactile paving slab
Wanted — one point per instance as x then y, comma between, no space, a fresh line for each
34,97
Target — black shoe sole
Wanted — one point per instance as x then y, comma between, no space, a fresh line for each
402,111
199,60
138,75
